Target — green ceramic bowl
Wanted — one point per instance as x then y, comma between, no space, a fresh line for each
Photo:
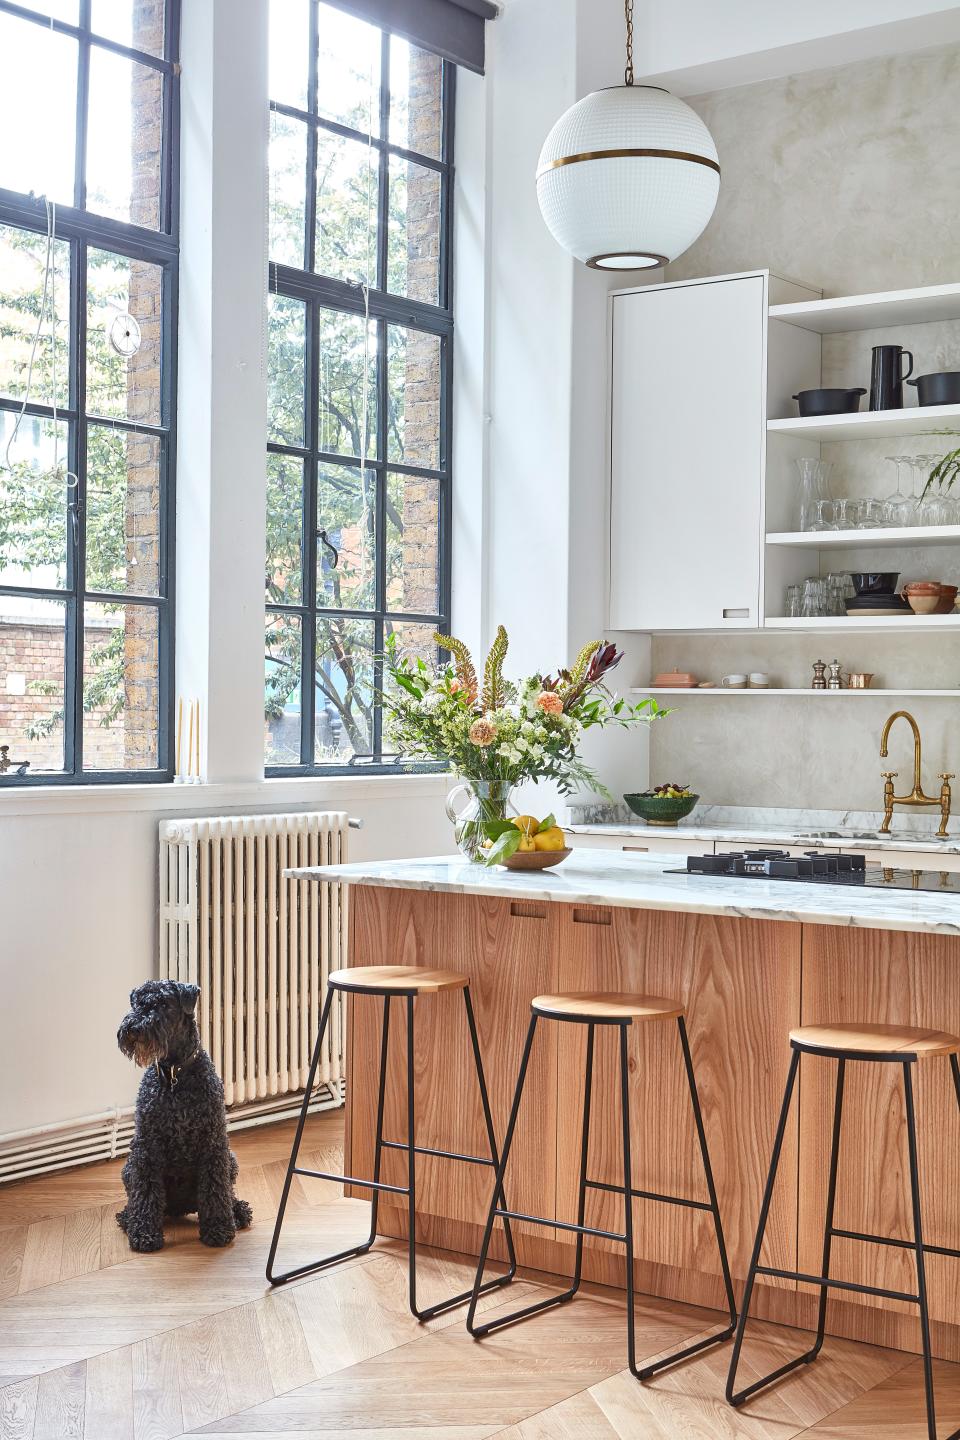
661,809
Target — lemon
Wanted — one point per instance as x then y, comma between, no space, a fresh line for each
552,839
526,823
526,846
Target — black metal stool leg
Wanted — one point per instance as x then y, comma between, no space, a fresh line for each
378,1134
511,1271
584,1151
646,1371
628,1200
411,1167
734,1397
918,1250
831,1205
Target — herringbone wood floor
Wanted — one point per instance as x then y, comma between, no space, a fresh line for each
100,1344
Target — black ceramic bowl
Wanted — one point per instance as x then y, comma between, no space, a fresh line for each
875,582
828,402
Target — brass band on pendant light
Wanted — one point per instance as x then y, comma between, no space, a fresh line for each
658,189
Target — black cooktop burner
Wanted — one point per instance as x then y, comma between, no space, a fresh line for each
817,867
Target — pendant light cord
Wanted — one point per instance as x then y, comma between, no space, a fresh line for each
628,16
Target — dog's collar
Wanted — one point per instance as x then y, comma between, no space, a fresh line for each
168,1075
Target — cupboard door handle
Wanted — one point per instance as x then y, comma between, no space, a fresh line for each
732,613
639,849
525,910
592,917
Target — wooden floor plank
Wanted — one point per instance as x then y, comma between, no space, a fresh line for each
245,1370
895,1409
81,1243
42,1254
284,1343
12,1242
157,1412
60,1403
108,1399
203,1390
18,1410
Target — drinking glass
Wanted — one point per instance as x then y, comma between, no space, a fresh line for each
898,507
837,584
793,607
814,602
814,475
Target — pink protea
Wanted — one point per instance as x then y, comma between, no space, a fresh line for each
549,702
483,732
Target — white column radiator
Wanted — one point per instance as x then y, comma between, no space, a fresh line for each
259,946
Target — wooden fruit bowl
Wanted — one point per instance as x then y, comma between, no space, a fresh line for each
536,859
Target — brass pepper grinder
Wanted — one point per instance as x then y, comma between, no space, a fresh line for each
819,683
836,679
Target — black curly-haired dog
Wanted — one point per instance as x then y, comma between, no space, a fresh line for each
180,1161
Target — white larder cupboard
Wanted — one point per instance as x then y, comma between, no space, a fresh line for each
703,436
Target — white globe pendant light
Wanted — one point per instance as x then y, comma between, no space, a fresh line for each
628,177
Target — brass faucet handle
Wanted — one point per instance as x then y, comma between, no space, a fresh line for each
889,774
946,775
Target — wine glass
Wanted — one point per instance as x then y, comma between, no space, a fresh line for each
898,507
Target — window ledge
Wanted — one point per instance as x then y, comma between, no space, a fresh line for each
338,792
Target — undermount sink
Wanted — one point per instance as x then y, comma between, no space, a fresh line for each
846,835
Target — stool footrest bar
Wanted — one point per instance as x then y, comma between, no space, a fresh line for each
825,1281
560,1224
649,1195
899,1244
352,1180
440,1154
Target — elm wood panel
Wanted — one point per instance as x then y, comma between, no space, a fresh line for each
882,977
740,983
509,957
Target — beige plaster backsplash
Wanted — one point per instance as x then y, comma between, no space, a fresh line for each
817,752
839,178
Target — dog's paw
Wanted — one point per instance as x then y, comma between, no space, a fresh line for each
145,1241
121,1218
216,1236
242,1214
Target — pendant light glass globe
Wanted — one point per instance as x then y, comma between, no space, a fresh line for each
628,178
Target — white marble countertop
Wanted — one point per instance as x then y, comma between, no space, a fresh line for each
759,833
585,878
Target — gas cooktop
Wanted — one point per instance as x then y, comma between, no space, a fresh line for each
817,867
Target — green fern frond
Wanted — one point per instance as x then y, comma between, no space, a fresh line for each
493,692
462,660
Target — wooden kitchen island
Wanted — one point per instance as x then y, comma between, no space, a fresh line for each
750,960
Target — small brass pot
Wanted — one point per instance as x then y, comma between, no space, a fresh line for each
859,680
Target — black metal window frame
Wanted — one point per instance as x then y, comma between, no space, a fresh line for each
321,292
84,231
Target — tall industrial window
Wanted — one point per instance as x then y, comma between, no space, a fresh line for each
360,354
88,266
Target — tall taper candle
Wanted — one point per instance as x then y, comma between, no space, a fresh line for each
179,733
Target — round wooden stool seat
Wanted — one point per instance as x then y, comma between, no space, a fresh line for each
877,1040
595,1005
397,979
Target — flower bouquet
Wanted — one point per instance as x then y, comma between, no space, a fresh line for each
496,733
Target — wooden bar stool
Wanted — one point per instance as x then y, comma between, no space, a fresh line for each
390,982
866,1044
621,1011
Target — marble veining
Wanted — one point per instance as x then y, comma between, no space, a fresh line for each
586,878
733,824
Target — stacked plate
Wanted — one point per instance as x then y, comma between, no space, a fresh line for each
876,594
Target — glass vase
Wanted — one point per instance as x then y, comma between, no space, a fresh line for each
814,489
470,806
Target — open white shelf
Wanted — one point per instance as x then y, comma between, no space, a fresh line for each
869,539
871,424
787,690
867,312
839,624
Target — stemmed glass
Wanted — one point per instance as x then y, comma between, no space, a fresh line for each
898,508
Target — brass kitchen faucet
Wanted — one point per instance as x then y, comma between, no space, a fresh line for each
916,796
20,766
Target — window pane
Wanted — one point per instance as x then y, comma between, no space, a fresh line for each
346,509
289,48
344,679
121,687
415,641
23,263
124,135
123,511
33,502
413,382
32,650
288,190
137,23
413,544
346,243
286,370
348,407
416,98
284,529
281,690
125,387
348,70
38,106
68,10
413,243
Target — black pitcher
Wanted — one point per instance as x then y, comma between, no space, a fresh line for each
887,376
